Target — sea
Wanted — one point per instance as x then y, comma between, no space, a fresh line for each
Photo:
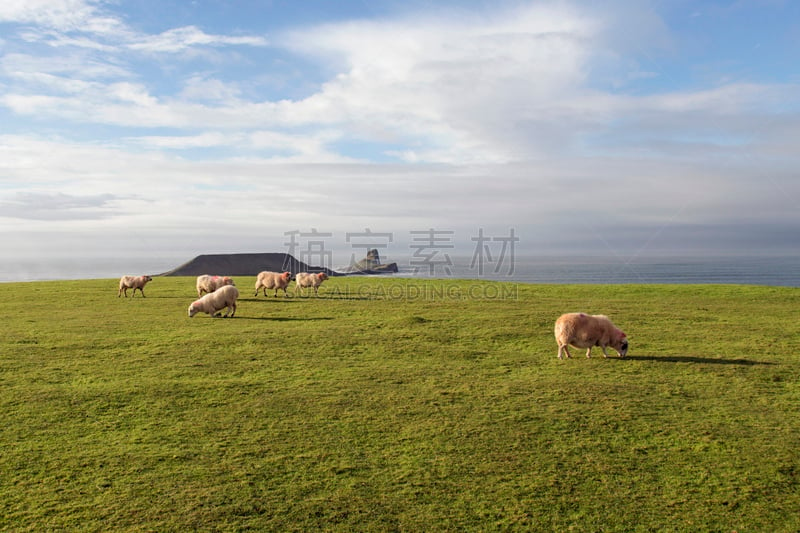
783,271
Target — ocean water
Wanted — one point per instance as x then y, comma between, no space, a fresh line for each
749,270
773,271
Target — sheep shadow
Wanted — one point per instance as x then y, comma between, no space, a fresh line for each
305,298
331,296
268,299
284,318
694,359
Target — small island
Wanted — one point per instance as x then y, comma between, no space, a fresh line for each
371,265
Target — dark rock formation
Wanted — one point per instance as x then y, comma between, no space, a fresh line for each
244,265
371,265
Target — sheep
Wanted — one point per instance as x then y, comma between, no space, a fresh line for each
216,301
273,280
206,283
586,331
132,282
305,279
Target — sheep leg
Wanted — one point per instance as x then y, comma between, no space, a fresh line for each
589,352
565,349
604,352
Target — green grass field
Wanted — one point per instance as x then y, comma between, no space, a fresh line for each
391,404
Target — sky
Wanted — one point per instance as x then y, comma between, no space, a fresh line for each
160,130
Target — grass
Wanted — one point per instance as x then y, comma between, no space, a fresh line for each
398,405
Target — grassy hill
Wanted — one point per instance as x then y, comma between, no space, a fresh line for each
398,405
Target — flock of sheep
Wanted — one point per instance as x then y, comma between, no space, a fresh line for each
221,293
572,329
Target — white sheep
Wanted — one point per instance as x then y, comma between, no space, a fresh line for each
216,301
586,331
206,283
273,280
305,279
132,282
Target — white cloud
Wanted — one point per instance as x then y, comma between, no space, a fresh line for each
179,39
201,88
469,87
463,89
203,140
81,23
57,14
75,66
57,206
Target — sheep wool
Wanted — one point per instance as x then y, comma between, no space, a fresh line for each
132,282
305,279
206,283
273,280
224,297
586,331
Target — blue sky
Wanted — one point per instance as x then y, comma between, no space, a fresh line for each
170,129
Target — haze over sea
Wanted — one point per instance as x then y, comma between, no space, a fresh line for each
750,270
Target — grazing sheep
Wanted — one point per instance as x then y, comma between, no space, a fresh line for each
132,282
216,301
273,280
305,279
586,331
206,283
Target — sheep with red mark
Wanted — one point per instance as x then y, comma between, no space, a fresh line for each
132,282
224,297
273,280
586,331
206,283
305,279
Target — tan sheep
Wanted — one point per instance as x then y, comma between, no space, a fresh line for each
216,301
206,283
132,282
586,331
273,280
305,279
